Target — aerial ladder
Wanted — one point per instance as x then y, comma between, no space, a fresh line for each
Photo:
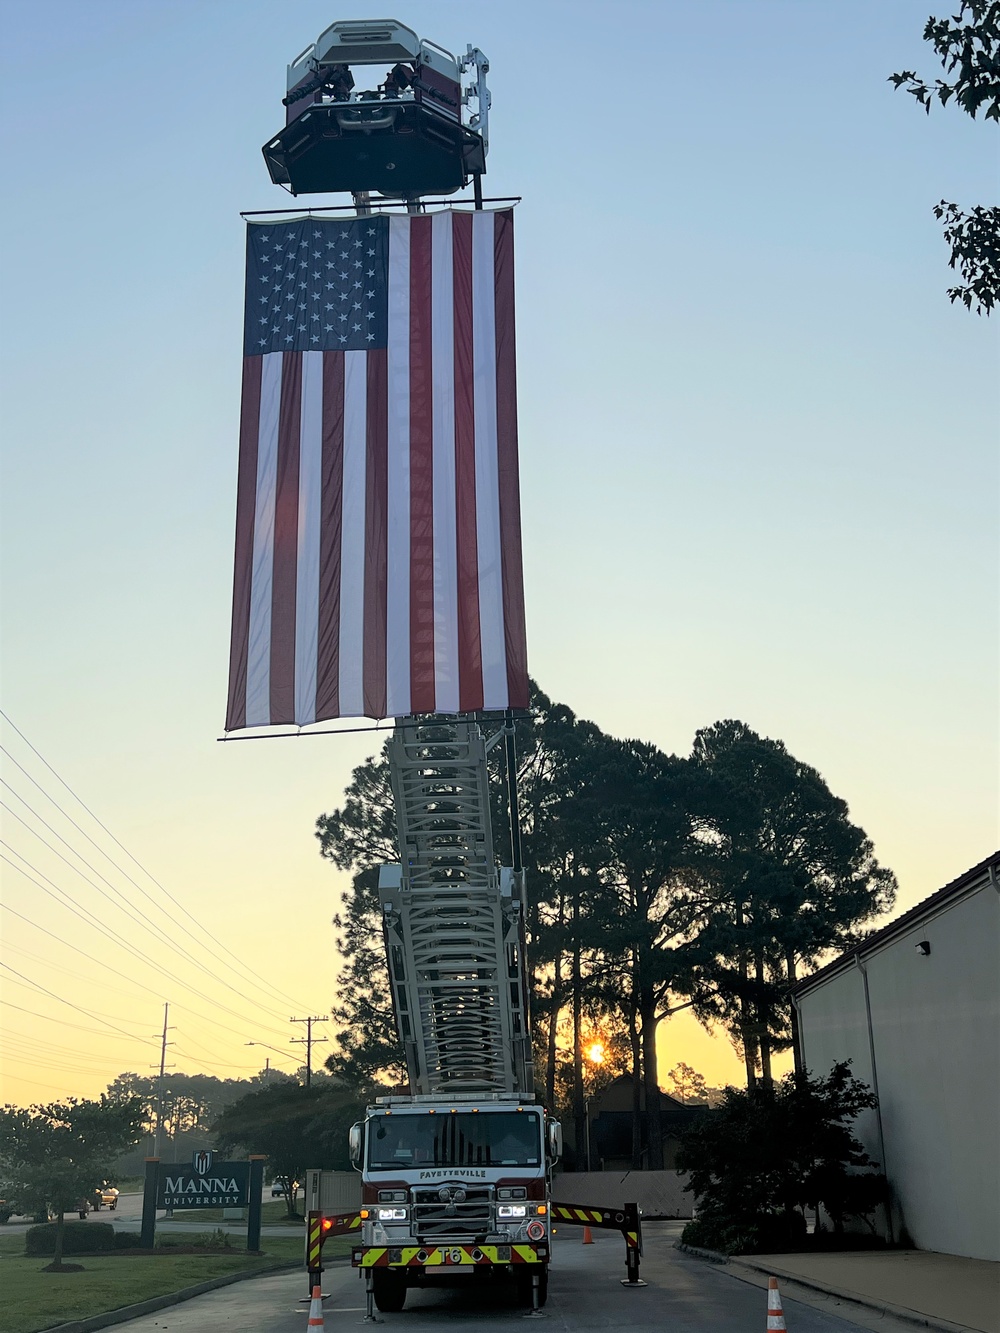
453,921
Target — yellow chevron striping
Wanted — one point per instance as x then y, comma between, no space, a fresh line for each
371,1257
581,1215
526,1254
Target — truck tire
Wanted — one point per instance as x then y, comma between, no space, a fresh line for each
389,1290
524,1288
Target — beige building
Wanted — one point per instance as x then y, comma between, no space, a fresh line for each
916,1008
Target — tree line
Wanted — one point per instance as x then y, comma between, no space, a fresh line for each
655,883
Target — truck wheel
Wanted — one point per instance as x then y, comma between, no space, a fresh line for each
389,1290
524,1288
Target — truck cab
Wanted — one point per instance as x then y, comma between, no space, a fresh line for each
454,1191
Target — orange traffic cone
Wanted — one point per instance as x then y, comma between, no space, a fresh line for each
316,1309
587,1237
775,1314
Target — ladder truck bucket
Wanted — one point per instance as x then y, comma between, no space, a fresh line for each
409,134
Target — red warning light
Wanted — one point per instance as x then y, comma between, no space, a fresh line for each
326,1224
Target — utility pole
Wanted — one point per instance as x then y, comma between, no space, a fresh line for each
309,1040
163,1069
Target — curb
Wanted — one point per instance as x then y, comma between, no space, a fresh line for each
125,1312
713,1256
854,1297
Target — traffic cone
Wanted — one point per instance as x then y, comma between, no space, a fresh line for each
316,1309
587,1237
775,1314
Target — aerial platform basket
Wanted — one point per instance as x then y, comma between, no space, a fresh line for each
414,133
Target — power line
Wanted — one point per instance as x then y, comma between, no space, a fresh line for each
110,933
174,921
63,1022
26,981
274,989
157,932
34,1083
76,949
89,978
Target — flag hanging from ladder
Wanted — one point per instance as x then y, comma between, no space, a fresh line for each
378,543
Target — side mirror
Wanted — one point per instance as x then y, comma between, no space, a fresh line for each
356,1141
555,1140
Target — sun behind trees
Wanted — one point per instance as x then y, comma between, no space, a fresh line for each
655,883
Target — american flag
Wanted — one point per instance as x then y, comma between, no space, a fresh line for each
378,543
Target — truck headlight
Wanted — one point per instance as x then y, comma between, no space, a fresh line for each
392,1214
511,1210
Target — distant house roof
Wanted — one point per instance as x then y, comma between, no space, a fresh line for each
667,1103
986,872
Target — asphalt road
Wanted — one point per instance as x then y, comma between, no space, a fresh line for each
684,1295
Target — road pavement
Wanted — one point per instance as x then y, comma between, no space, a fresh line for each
684,1295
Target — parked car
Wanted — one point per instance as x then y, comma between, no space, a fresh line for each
83,1208
278,1190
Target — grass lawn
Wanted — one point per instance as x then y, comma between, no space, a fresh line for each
270,1213
33,1300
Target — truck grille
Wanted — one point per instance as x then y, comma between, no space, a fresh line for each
441,1218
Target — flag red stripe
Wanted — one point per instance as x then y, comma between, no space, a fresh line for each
376,533
236,713
286,528
328,641
470,662
422,698
510,504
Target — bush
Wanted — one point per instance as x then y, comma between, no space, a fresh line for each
211,1240
768,1234
127,1240
763,1156
78,1238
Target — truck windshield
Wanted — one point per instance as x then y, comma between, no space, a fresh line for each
465,1139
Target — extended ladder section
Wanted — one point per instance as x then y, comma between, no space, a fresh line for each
454,928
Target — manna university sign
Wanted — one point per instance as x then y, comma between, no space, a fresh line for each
203,1183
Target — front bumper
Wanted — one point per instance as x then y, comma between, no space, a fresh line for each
443,1257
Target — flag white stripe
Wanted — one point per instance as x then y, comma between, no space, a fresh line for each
484,368
352,546
259,637
443,418
307,555
397,637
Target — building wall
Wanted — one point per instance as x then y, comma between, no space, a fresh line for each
936,1031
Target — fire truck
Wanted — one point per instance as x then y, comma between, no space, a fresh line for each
455,1176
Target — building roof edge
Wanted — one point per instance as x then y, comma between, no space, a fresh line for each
987,870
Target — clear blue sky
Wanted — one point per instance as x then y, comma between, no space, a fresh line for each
759,447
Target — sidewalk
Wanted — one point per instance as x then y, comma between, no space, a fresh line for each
941,1290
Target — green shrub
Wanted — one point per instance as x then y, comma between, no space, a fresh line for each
78,1238
127,1240
211,1240
762,1157
766,1234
